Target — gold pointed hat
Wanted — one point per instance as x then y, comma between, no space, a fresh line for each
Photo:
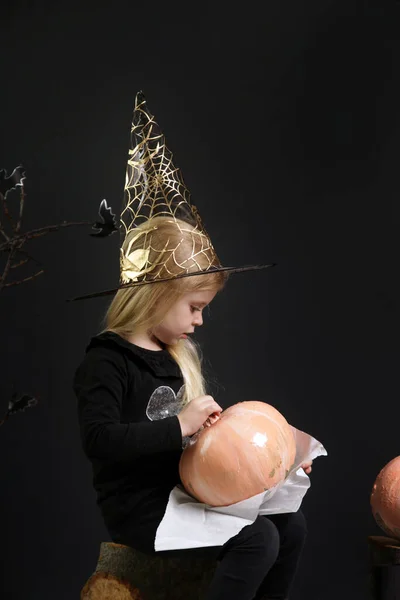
154,187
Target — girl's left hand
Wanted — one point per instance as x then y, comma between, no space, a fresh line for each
307,467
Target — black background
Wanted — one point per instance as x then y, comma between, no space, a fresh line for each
283,117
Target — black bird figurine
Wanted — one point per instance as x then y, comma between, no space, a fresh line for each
10,183
108,224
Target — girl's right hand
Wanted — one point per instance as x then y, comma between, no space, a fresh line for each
196,413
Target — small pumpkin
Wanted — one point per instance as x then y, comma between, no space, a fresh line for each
250,449
385,498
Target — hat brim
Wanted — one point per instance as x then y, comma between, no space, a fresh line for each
153,281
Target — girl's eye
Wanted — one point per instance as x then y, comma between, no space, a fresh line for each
193,308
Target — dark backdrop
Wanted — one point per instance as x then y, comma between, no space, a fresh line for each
283,117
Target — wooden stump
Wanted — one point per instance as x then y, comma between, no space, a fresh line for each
384,567
123,573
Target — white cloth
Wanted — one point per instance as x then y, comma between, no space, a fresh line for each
188,523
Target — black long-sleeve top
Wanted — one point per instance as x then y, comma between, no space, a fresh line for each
135,459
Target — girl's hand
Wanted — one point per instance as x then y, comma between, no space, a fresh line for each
306,466
197,412
211,419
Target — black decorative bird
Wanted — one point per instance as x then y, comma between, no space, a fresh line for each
10,183
108,224
18,403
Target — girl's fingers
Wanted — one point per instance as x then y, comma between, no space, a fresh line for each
211,419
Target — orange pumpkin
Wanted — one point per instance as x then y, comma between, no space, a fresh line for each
385,498
248,450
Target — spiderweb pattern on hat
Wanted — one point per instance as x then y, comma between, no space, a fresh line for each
155,187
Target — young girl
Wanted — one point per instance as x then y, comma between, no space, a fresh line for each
140,365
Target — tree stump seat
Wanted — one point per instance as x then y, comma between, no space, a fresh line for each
123,573
384,567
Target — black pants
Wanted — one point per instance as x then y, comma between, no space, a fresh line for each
260,562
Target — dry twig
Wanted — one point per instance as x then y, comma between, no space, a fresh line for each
15,240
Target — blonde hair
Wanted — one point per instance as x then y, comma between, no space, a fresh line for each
137,309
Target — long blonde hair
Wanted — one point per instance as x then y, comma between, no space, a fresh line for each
137,309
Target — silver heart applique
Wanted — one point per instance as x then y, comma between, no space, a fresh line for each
165,403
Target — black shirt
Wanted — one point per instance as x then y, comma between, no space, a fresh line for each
135,459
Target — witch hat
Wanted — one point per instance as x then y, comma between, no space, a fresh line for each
154,187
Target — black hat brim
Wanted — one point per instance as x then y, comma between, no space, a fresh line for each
154,281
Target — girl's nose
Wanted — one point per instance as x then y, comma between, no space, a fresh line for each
198,320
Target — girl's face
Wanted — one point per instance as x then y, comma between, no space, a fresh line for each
183,317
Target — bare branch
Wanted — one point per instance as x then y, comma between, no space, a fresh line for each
29,257
44,230
6,285
7,212
20,264
3,232
13,243
6,269
35,233
21,209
